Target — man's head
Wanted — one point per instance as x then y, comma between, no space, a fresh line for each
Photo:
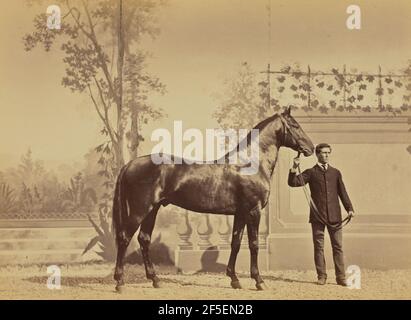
322,151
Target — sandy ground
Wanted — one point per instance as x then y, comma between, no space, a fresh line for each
94,281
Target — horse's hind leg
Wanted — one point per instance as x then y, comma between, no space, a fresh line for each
123,239
238,229
253,221
144,238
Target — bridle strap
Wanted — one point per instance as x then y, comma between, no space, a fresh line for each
287,126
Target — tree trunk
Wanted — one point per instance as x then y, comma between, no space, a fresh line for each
134,135
120,64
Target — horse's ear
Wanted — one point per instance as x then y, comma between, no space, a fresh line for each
287,111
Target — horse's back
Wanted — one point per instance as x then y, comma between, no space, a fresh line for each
141,168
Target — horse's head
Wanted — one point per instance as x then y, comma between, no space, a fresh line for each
294,136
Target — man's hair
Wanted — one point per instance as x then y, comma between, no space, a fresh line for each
320,146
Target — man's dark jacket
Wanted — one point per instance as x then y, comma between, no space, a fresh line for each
326,186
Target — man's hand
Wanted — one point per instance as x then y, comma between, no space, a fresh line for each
296,162
351,214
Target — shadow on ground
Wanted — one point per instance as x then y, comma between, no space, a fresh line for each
133,274
280,278
159,254
209,262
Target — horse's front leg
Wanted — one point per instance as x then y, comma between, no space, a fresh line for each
238,229
253,222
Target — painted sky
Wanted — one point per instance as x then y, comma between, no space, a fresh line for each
201,42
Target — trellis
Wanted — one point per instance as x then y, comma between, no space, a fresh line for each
347,91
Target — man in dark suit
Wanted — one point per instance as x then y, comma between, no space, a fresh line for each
326,186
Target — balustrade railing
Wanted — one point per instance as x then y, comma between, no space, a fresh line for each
214,231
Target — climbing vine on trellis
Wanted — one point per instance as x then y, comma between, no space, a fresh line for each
337,89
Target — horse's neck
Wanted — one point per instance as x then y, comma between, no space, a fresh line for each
268,146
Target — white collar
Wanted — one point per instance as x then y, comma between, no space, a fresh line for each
321,165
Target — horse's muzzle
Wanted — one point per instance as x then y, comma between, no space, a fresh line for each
306,152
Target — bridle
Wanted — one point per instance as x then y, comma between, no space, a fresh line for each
287,127
306,192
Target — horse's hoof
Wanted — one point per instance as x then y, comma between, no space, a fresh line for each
157,284
261,286
236,284
120,288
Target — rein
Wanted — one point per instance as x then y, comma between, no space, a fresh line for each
306,192
311,203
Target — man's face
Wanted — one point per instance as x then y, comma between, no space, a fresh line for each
324,155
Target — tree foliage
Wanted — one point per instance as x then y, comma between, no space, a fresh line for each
239,103
31,191
103,58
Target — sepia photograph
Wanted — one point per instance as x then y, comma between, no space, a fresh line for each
205,150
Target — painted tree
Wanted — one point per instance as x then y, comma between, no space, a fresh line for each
101,44
103,57
240,103
407,96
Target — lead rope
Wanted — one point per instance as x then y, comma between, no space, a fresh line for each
314,207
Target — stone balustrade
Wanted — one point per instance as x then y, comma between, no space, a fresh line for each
214,231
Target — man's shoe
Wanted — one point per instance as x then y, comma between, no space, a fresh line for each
321,281
342,282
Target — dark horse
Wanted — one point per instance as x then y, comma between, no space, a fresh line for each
143,186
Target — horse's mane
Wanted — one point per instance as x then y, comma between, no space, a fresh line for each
259,126
262,124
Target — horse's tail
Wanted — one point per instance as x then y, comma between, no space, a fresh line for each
120,211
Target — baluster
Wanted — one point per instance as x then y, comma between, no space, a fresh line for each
263,229
224,230
184,231
244,241
204,231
